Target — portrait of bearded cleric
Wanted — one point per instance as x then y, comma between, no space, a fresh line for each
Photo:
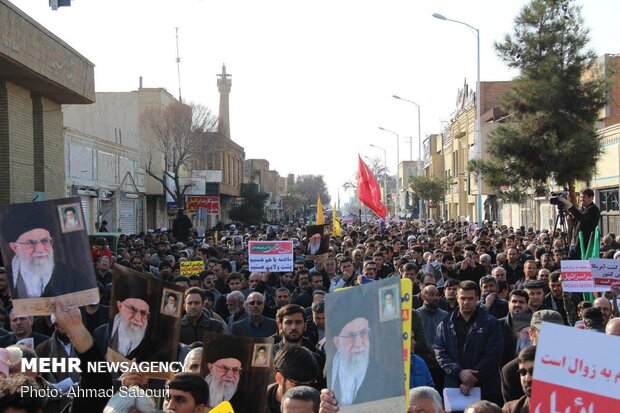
317,241
42,261
137,327
362,347
228,369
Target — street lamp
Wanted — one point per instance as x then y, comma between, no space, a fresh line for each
478,109
420,202
397,206
384,172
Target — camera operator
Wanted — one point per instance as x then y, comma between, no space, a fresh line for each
585,219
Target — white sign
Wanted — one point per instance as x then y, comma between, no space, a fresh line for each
272,256
208,175
577,277
575,371
605,272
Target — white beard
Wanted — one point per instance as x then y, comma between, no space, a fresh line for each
218,391
314,247
36,272
351,371
129,336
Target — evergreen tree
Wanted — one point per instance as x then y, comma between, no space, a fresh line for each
252,208
553,103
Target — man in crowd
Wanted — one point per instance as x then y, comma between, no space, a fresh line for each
186,393
604,305
517,304
256,325
511,388
526,372
195,322
234,303
490,299
535,289
432,316
480,333
301,399
294,366
613,327
558,300
514,268
21,328
584,219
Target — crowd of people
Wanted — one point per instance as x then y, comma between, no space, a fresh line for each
480,296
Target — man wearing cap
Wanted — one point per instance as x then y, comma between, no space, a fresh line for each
226,360
511,383
535,289
34,270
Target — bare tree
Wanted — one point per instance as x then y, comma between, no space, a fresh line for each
176,133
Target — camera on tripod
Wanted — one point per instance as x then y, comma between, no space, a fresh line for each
554,198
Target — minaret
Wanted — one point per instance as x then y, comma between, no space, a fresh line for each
223,84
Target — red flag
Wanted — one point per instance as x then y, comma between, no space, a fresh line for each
368,189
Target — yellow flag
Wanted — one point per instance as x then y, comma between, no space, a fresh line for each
320,219
336,231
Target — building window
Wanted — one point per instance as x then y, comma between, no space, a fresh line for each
608,199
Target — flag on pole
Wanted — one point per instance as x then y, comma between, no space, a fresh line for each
320,219
368,189
336,230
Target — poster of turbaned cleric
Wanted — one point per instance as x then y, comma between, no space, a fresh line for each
237,370
317,244
364,347
47,255
145,319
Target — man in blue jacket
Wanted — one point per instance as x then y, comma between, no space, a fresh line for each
469,346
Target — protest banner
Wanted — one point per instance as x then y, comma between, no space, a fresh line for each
46,253
191,267
577,277
247,359
211,204
363,328
145,320
606,272
271,256
581,376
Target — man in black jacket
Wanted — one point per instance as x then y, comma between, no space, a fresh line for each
196,322
585,219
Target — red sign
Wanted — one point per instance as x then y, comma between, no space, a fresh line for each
211,204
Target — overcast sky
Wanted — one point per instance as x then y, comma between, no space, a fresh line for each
311,81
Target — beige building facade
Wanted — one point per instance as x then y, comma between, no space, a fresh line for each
38,73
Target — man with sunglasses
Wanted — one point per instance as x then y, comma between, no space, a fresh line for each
526,372
256,325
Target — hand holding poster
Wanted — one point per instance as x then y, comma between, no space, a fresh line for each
47,255
364,344
270,256
580,377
